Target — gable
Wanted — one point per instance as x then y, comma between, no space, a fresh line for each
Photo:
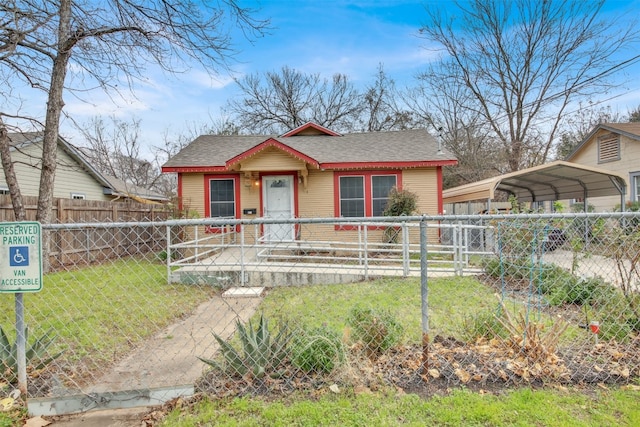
606,143
269,160
310,129
71,177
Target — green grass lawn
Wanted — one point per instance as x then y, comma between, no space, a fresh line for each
522,407
453,304
100,312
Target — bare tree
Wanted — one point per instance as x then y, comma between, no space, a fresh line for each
633,116
523,63
381,110
281,101
578,125
461,130
106,45
114,148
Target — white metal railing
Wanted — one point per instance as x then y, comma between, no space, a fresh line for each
246,245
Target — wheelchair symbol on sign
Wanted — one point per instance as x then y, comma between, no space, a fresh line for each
19,256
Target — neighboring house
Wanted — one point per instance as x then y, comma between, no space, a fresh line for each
75,177
613,147
310,171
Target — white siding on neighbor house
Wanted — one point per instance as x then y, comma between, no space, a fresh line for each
70,178
629,162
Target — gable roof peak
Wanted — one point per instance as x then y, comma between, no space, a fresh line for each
310,128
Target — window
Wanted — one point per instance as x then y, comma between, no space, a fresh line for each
78,196
222,198
364,194
380,187
352,196
608,148
635,186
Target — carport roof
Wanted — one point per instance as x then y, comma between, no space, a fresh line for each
559,180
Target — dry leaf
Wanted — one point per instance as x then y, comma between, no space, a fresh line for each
434,373
37,422
463,375
6,403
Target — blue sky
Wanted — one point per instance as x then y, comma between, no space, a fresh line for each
326,37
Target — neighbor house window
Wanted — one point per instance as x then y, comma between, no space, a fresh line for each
4,191
222,198
608,148
78,196
364,194
635,186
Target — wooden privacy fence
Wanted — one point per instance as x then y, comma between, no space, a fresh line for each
75,245
79,211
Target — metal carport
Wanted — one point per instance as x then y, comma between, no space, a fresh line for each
558,180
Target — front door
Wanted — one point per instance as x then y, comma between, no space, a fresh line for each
277,195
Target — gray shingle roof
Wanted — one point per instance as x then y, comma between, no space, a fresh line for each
396,146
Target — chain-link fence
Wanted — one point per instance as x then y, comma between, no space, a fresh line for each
136,313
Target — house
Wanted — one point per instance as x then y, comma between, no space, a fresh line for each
75,177
310,171
614,147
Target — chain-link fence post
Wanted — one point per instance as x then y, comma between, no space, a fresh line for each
424,292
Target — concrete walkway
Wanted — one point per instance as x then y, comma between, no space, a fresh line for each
587,265
168,359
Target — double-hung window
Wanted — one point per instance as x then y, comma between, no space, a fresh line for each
364,194
222,198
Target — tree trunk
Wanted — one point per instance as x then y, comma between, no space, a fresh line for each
52,124
10,174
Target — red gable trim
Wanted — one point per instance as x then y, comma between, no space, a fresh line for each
271,143
395,165
313,126
194,169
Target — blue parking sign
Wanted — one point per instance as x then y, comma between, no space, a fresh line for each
18,256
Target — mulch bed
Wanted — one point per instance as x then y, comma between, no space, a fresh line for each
484,366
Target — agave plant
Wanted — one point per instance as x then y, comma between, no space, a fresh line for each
37,354
260,354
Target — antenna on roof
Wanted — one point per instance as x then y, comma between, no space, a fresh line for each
440,130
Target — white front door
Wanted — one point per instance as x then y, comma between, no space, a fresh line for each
277,194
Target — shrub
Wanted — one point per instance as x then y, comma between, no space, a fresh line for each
36,353
484,324
516,268
261,353
377,330
317,350
400,202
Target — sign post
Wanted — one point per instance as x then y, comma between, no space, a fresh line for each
20,271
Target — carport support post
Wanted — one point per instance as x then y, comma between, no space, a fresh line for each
424,291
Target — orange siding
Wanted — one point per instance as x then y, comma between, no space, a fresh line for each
271,160
423,182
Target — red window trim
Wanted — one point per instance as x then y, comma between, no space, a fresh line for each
368,192
207,197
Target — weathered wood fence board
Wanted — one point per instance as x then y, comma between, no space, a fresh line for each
93,245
